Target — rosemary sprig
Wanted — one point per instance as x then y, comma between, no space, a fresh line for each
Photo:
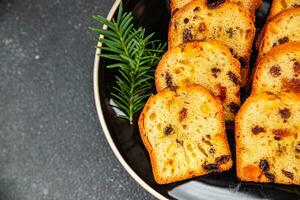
136,56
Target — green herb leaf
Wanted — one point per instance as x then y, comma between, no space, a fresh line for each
136,56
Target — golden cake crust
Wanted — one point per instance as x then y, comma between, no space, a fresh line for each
165,125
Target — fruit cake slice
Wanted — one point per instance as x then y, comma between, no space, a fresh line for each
282,28
281,5
279,70
209,64
227,23
278,6
184,133
250,5
268,139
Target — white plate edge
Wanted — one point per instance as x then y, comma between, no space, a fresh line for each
102,120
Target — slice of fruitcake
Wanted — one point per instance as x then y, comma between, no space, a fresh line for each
282,28
268,139
250,5
281,5
184,133
227,23
209,64
278,70
277,7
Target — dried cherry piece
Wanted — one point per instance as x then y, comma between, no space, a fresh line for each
222,93
182,114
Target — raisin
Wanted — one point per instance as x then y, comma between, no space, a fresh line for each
285,113
275,71
186,20
196,9
233,78
206,141
215,70
182,114
168,78
283,40
297,149
214,3
230,32
222,93
168,130
243,62
210,167
288,174
264,165
257,129
270,176
187,35
202,27
293,85
180,142
212,150
169,82
234,108
222,159
277,138
297,67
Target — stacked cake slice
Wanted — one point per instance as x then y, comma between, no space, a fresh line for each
228,23
184,132
268,139
209,64
250,5
267,125
282,28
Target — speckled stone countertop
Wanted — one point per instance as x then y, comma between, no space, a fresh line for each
51,142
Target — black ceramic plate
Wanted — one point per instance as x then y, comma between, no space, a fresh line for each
126,143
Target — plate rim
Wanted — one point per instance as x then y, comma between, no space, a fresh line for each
106,132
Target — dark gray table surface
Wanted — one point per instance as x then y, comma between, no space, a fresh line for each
51,142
